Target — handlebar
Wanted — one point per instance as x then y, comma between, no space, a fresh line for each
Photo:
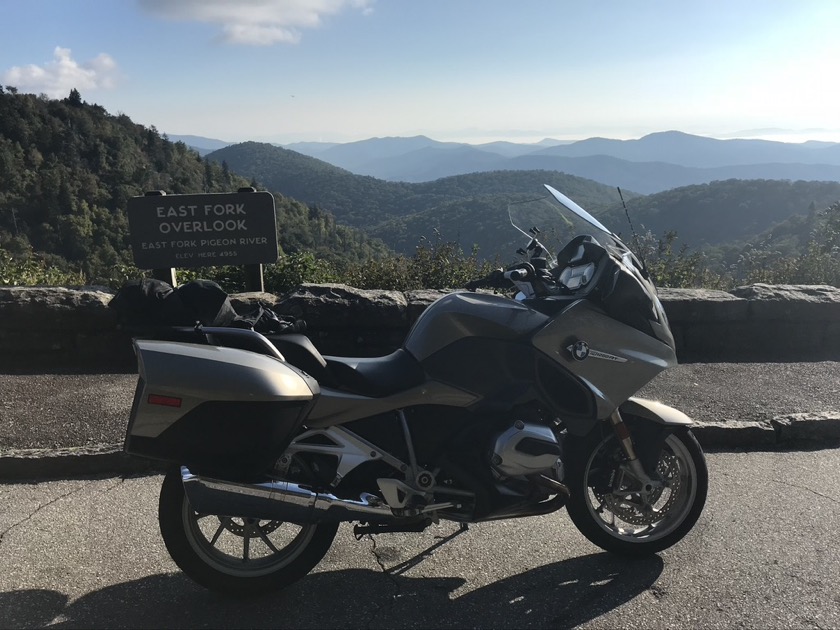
530,281
515,275
496,279
499,279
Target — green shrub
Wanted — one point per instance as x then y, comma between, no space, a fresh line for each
440,264
30,270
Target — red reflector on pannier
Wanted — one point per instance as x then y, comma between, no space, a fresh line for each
166,401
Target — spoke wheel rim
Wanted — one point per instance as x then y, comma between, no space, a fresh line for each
625,514
244,547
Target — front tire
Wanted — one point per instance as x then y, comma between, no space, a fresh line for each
237,556
615,513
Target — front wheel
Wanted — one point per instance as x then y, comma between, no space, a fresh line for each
237,556
614,511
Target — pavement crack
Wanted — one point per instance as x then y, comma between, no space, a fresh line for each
376,555
811,490
43,506
392,578
120,481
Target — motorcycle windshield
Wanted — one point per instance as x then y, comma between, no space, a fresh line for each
554,219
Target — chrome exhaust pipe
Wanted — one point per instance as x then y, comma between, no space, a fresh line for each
278,501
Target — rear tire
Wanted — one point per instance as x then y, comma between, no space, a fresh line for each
610,511
233,555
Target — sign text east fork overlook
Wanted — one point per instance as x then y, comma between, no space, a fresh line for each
203,230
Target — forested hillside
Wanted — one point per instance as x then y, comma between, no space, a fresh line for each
68,168
468,209
726,212
354,199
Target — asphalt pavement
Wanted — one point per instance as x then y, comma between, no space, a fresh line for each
88,554
63,425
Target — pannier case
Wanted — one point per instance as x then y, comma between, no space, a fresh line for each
217,410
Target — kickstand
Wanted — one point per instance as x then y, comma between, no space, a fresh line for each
413,562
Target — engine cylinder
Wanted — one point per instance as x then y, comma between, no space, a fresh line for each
525,449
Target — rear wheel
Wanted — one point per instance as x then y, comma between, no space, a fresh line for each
238,556
613,510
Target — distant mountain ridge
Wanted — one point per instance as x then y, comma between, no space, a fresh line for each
651,164
684,149
654,163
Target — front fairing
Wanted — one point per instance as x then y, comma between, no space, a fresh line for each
591,263
611,358
588,335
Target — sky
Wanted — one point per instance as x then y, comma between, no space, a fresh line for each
454,70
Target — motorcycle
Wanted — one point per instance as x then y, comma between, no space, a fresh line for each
493,408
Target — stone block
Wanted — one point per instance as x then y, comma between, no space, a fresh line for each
56,325
419,300
688,306
55,308
791,303
734,434
246,302
815,428
341,306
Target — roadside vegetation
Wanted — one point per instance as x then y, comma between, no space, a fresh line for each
438,264
800,251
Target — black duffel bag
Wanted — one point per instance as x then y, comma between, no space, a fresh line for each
153,303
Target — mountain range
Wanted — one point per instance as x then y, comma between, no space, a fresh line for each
472,209
653,163
68,169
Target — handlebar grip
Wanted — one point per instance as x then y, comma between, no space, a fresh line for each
516,274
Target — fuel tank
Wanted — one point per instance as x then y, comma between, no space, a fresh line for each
462,315
479,343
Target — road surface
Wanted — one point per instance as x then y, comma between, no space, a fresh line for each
87,554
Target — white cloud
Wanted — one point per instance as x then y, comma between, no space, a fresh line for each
57,77
255,22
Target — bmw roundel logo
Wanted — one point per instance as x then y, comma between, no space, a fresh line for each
580,350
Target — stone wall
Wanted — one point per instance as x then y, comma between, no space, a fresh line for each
56,328
758,322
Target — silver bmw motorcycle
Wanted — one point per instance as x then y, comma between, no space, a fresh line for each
493,408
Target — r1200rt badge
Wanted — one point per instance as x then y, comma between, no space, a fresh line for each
581,350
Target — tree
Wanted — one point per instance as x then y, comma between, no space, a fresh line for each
208,176
226,175
75,99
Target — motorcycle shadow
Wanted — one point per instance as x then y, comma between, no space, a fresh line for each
557,595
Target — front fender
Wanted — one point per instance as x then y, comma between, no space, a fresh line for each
655,412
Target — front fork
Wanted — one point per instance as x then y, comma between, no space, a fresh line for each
634,465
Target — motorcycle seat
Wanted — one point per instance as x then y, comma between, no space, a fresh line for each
373,377
300,351
376,377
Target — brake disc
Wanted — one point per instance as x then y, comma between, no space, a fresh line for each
629,505
238,529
